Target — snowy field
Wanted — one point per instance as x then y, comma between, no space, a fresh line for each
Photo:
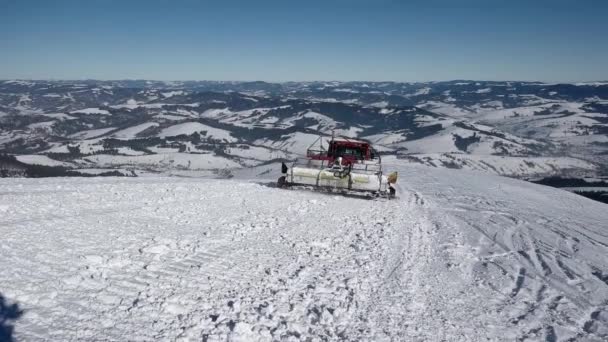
459,256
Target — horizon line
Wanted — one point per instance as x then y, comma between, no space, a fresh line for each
291,81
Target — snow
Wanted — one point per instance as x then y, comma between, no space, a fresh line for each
61,116
91,111
445,141
351,131
483,91
269,120
132,104
129,151
296,143
40,160
594,84
459,256
92,133
445,108
215,113
440,142
173,93
193,127
575,125
90,145
20,82
325,123
422,91
256,152
24,98
387,138
504,165
156,149
427,120
44,125
255,111
100,171
587,189
345,90
169,117
246,118
131,132
527,111
164,161
187,113
379,104
57,148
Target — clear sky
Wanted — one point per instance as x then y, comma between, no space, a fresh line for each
369,40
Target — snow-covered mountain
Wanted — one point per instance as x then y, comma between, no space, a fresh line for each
458,256
511,128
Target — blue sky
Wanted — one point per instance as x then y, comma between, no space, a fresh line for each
370,40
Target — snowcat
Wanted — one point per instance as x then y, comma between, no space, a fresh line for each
348,165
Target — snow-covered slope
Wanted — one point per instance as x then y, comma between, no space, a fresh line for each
132,132
459,256
195,127
200,161
523,167
40,160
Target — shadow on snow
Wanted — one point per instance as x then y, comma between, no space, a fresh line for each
8,314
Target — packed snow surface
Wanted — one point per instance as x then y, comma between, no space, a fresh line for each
459,256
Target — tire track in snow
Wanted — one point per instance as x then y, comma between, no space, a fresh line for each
327,298
397,302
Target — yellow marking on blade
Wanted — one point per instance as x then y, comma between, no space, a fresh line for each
392,177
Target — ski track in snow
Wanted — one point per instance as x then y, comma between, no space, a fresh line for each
457,257
536,256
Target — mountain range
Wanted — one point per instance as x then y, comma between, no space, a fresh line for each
520,129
